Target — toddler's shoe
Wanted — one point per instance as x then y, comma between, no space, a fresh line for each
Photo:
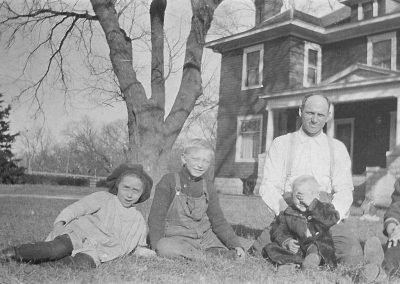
286,269
311,262
7,254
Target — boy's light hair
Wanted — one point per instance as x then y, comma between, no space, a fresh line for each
305,179
197,144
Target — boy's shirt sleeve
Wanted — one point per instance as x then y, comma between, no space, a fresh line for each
162,200
392,215
85,206
323,213
219,224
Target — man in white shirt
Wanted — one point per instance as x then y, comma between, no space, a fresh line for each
310,152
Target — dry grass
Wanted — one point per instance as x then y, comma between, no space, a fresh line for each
24,220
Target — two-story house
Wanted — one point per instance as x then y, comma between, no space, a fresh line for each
350,55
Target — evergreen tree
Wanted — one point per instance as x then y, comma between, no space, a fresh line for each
10,172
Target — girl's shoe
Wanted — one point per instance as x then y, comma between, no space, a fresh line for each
373,273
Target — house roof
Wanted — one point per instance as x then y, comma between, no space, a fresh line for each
359,72
290,14
321,30
339,16
357,75
353,2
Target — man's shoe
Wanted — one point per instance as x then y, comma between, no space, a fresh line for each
7,254
311,262
373,273
373,251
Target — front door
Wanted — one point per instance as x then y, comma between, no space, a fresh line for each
344,131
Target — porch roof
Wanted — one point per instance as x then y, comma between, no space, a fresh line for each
358,78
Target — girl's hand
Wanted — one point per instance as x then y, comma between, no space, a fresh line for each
240,253
144,252
59,226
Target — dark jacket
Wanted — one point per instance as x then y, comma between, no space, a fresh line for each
293,224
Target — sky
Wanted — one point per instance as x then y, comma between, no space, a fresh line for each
59,109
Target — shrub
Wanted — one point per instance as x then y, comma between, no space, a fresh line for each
101,183
55,180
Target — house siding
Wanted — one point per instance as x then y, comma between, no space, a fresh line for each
296,65
283,69
338,56
234,102
276,65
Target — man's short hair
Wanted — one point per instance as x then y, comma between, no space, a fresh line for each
196,144
303,102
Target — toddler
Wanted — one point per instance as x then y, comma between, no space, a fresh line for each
300,234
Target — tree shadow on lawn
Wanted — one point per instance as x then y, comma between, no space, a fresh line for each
246,232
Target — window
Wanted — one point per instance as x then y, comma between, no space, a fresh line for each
252,67
381,51
368,10
259,14
312,64
248,142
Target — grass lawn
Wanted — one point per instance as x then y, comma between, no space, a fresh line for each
25,219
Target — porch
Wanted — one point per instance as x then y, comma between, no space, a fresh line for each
364,116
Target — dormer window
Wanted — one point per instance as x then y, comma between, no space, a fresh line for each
369,9
252,67
382,51
312,64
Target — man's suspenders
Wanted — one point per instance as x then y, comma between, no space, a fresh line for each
292,150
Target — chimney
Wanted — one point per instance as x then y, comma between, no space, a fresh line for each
265,9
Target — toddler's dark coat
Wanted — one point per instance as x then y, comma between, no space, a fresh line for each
293,223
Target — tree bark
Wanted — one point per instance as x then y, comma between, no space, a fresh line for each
191,84
150,137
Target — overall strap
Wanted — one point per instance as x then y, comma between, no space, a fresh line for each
331,159
205,190
178,186
290,157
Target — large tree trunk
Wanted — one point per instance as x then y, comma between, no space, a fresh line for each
150,137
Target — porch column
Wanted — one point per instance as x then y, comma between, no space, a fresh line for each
398,122
330,125
270,128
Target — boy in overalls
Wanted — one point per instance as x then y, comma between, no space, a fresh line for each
185,218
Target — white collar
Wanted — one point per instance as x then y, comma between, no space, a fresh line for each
303,137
